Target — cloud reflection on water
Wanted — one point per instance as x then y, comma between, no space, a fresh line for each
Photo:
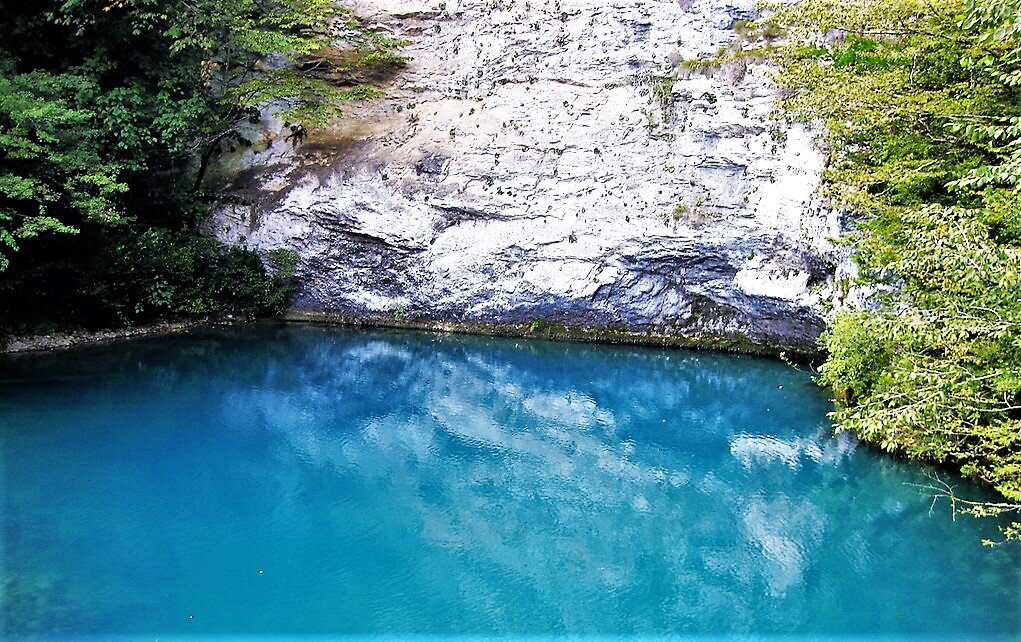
629,457
402,483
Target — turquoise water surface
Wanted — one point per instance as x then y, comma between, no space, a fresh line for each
273,481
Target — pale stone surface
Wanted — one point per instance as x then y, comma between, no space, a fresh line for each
535,161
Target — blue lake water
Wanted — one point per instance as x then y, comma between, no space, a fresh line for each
271,481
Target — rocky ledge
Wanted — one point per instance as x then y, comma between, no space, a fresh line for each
552,160
63,340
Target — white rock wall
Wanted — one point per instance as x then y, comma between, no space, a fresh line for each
536,160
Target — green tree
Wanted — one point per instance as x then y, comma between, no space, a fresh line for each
54,175
231,60
997,26
922,123
111,111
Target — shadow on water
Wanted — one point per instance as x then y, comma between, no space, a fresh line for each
304,480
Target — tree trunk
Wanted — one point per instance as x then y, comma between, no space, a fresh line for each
207,156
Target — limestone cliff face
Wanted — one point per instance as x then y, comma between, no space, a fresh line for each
551,159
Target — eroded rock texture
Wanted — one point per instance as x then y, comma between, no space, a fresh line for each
551,159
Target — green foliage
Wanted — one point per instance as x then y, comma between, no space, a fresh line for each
940,379
111,112
240,57
923,125
133,276
284,262
662,94
54,175
159,274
